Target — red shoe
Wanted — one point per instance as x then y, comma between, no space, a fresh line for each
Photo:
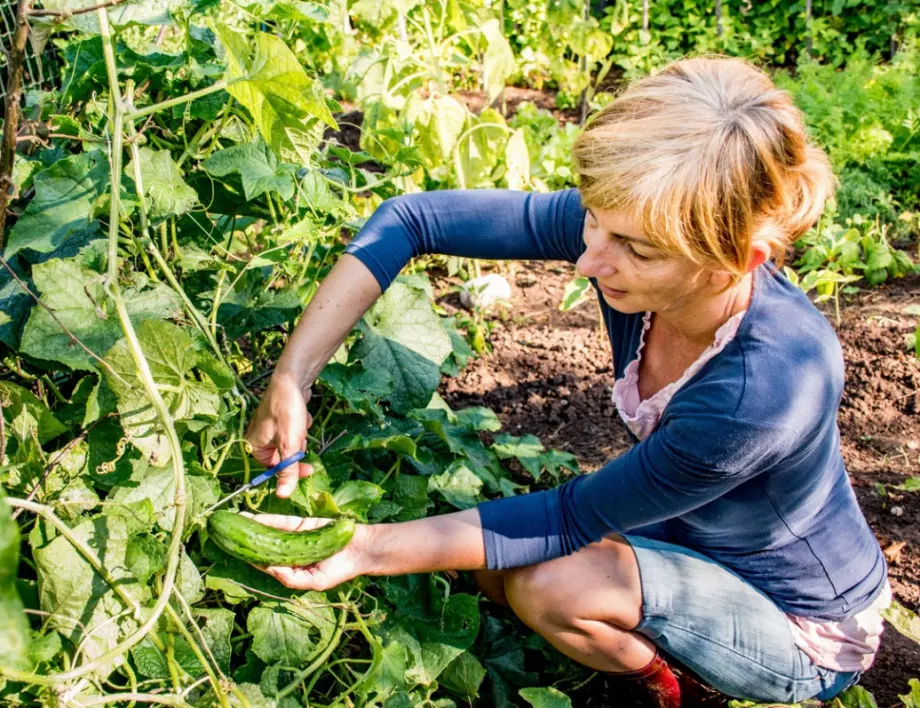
654,686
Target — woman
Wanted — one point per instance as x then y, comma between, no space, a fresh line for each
728,536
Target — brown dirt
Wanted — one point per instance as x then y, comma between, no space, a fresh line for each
550,374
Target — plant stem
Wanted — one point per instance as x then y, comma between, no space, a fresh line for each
319,660
179,100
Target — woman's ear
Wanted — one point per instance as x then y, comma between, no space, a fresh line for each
760,254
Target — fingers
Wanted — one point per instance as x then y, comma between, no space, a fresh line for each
304,578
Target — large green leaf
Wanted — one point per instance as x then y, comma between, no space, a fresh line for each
291,632
546,697
166,192
143,12
171,356
158,486
62,205
79,303
250,307
15,305
266,77
14,398
257,167
402,336
498,62
77,598
438,124
433,640
458,485
463,676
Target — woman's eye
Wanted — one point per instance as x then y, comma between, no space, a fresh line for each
638,255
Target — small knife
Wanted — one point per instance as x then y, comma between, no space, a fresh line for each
256,481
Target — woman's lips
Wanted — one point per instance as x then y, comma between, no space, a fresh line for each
610,292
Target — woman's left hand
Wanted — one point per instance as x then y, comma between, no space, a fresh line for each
350,562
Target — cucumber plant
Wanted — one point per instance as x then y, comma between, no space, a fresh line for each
166,238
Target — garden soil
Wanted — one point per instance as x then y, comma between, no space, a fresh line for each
550,374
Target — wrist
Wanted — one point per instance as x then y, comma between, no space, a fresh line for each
287,378
372,540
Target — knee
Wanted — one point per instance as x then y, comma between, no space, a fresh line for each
535,594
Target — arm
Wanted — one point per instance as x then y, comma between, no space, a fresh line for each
279,427
446,542
693,458
488,223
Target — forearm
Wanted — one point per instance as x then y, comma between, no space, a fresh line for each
344,296
445,542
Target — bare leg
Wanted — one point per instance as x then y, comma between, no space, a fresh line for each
492,584
586,605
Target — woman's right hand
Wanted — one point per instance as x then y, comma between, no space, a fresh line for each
279,429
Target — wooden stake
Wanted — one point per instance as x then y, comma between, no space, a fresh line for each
17,56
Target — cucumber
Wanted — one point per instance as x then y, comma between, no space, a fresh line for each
254,542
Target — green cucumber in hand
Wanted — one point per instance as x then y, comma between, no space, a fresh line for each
254,542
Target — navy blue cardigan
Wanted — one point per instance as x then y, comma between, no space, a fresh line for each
745,465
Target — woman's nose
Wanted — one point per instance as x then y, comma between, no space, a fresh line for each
594,264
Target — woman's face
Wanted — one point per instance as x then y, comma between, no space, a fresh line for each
633,275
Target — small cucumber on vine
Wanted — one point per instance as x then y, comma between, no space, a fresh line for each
15,633
254,542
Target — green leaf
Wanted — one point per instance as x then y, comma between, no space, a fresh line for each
479,418
498,62
14,398
266,77
357,497
912,699
61,209
291,633
78,598
403,337
77,299
158,486
249,307
166,192
904,620
463,676
145,556
15,305
15,634
545,698
171,357
359,388
527,450
438,124
856,697
576,292
554,461
458,485
44,647
432,639
517,161
258,168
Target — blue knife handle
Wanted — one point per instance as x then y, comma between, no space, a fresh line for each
272,471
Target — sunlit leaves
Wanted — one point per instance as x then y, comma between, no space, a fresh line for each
286,104
166,192
257,167
77,298
401,334
171,357
63,204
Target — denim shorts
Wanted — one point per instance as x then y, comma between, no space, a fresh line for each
725,630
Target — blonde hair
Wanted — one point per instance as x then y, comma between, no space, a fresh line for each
707,155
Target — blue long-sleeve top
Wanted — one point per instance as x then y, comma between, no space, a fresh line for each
745,465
